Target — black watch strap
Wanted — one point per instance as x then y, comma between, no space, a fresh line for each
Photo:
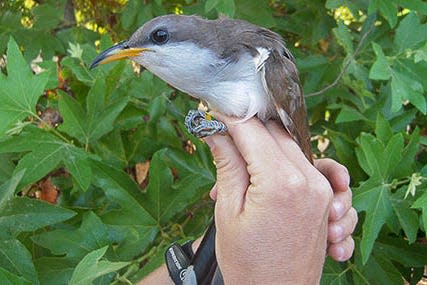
178,258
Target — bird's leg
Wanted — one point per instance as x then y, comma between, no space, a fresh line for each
202,124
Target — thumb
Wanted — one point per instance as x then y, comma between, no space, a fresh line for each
232,176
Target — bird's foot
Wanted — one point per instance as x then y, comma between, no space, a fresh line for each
202,124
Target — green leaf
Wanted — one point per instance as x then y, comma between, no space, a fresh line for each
380,70
15,258
381,270
404,88
111,149
40,162
226,7
257,12
410,33
415,5
388,9
47,16
344,37
129,13
76,243
8,278
91,267
405,166
46,152
20,90
333,273
74,117
372,197
102,110
408,218
23,214
383,129
375,158
210,4
398,250
155,262
123,191
80,169
7,189
54,270
132,239
421,54
349,114
421,203
159,189
79,69
90,125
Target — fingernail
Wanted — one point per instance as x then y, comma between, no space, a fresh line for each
340,253
338,208
347,179
338,231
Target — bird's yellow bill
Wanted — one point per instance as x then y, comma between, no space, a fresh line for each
121,54
116,52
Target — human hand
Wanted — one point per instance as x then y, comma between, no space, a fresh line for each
272,207
342,216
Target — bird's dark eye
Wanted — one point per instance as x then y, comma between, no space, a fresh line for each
160,36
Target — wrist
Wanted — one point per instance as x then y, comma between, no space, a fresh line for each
303,275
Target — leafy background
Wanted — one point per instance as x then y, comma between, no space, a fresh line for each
98,174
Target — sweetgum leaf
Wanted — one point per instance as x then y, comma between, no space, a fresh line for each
380,70
23,214
408,218
8,278
372,197
344,37
388,9
76,243
332,273
15,258
421,203
44,153
166,198
19,90
54,270
97,120
123,191
375,157
8,188
410,32
403,87
383,129
91,267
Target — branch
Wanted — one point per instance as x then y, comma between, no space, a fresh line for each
346,65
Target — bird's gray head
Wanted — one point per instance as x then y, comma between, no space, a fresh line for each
178,49
182,49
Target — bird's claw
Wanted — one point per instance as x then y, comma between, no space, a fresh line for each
200,125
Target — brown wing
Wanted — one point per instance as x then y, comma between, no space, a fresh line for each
286,93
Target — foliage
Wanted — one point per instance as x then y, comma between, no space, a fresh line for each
90,135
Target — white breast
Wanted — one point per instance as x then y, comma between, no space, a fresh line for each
234,89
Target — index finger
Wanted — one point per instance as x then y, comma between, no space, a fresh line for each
259,149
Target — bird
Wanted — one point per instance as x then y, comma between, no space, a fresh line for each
237,68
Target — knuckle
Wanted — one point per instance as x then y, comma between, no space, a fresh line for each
322,188
294,181
225,163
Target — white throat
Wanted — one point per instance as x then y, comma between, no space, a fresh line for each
232,88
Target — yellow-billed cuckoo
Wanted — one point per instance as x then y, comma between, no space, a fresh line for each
237,68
